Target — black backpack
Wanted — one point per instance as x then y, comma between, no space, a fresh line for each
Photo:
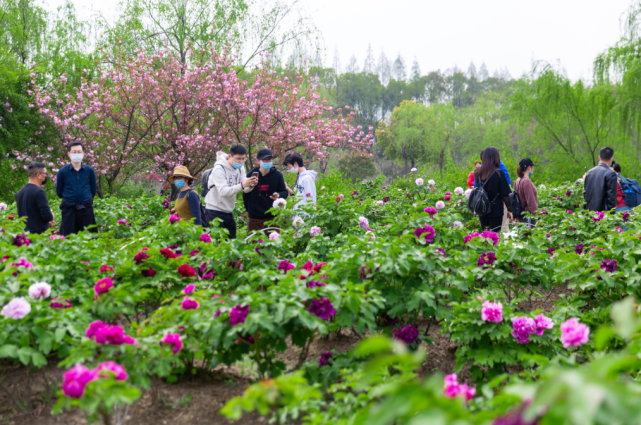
515,200
479,203
204,184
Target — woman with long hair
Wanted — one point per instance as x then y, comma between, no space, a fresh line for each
621,205
528,194
490,176
470,178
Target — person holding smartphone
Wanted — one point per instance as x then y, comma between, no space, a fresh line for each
271,186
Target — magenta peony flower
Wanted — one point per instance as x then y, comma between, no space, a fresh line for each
408,334
16,309
174,341
324,358
568,193
609,266
103,285
322,308
314,284
112,334
542,323
486,259
431,211
492,236
40,290
20,240
106,268
492,312
447,197
93,328
140,257
168,253
522,328
173,218
569,211
189,304
205,238
148,272
113,367
574,333
76,379
189,289
598,216
238,314
427,232
579,248
285,266
626,216
122,221
60,303
185,270
452,389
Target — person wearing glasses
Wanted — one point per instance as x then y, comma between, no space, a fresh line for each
76,185
32,200
226,180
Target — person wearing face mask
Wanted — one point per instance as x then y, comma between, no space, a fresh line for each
76,185
305,187
271,186
528,195
225,181
32,200
188,202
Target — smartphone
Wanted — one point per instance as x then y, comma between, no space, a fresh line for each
255,174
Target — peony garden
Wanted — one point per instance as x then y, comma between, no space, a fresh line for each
384,304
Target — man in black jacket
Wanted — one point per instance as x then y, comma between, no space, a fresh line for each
32,200
270,187
600,185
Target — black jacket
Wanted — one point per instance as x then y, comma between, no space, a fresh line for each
32,203
600,189
258,201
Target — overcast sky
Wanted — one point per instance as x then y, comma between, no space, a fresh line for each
444,33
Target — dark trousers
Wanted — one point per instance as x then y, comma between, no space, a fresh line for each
259,224
76,217
492,223
227,221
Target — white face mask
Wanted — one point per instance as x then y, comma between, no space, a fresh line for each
76,157
293,170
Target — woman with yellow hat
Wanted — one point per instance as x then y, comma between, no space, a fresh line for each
188,202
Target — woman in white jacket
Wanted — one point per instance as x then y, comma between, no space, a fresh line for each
305,188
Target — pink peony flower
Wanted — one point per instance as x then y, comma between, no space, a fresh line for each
452,389
598,216
205,238
440,205
122,221
168,253
457,224
574,333
468,192
315,230
431,211
173,218
16,309
174,341
278,202
542,323
273,236
113,367
103,285
419,182
413,170
111,334
60,303
380,202
40,290
76,379
522,328
238,314
431,182
492,312
140,257
285,266
363,222
189,289
189,304
20,240
458,191
447,197
106,268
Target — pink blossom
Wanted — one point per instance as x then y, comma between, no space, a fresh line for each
315,230
419,182
189,304
238,314
103,285
440,205
431,211
113,367
273,236
458,191
285,266
492,312
452,389
522,328
76,379
431,182
173,218
16,309
40,290
174,341
205,238
189,289
574,333
542,323
413,170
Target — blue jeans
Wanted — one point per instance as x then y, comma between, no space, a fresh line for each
626,208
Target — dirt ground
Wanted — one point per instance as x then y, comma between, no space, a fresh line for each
198,401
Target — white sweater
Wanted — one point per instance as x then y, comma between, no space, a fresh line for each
225,183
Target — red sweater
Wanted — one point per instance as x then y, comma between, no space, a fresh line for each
470,180
620,195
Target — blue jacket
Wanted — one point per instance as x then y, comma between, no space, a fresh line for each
507,175
76,186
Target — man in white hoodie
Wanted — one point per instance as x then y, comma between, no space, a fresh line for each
305,187
226,180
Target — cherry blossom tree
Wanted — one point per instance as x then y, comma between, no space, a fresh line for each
152,112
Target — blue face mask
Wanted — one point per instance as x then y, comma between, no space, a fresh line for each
530,173
179,184
266,165
236,165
